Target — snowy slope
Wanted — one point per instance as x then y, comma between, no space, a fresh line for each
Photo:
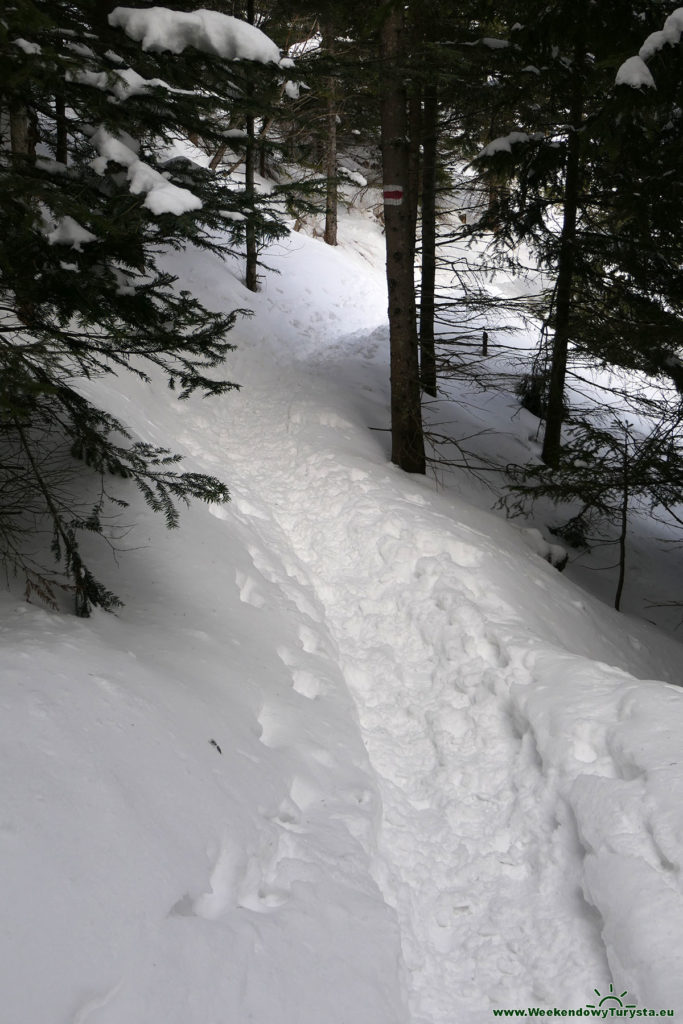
352,752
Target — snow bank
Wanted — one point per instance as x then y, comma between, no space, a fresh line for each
179,843
611,746
161,29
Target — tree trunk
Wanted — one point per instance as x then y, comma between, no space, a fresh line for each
251,279
23,132
330,235
428,270
414,136
406,415
624,525
61,148
552,442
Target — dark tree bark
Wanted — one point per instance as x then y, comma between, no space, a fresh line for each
251,279
23,132
331,192
552,443
262,153
414,137
624,524
61,148
406,415
428,269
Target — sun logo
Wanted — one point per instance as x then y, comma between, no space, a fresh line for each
611,998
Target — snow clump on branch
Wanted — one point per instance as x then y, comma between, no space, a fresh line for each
207,31
161,195
634,71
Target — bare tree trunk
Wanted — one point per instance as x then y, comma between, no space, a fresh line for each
406,414
624,525
23,134
330,235
414,135
428,269
251,279
217,158
61,149
552,441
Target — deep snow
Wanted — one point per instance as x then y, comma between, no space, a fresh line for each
352,752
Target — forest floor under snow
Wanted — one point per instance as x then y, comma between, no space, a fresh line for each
352,752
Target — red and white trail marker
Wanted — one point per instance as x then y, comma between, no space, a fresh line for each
393,195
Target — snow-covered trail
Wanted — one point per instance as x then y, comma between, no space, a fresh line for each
484,702
470,852
352,752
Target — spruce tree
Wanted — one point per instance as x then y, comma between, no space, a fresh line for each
91,196
574,143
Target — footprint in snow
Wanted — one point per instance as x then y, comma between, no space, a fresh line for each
310,640
304,793
289,816
241,880
222,890
219,511
305,683
249,590
258,890
273,733
247,509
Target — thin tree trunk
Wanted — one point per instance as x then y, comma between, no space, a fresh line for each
23,137
61,148
624,528
428,269
406,414
23,140
70,552
414,136
552,442
251,279
217,158
331,191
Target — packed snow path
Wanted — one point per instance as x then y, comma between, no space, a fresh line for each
524,824
470,851
486,847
